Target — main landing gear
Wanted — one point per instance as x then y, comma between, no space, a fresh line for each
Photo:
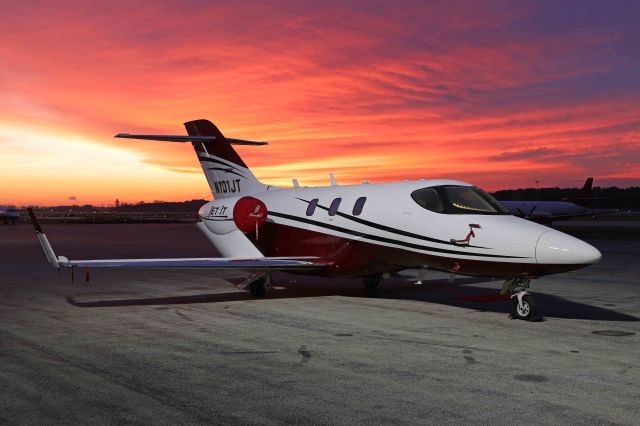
524,305
258,288
371,283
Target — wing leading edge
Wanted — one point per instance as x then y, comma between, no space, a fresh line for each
259,264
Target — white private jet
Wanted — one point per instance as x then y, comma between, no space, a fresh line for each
9,214
367,230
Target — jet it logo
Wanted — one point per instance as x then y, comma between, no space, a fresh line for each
470,235
217,211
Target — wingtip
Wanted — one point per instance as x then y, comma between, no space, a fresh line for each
34,220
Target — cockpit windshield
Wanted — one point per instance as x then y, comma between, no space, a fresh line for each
453,199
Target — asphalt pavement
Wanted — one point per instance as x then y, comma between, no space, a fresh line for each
167,347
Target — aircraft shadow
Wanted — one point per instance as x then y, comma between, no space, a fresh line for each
462,294
549,306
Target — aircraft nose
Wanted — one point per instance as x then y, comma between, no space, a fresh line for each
555,247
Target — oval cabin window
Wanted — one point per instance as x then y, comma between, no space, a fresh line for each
333,208
357,208
311,208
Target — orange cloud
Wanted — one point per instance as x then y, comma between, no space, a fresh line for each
483,93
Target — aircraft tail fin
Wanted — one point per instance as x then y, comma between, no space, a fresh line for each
584,196
226,172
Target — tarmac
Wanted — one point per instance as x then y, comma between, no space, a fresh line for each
168,347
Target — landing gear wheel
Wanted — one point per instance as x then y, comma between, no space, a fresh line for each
524,307
371,283
258,288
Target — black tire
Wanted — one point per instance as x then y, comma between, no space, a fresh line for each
257,288
371,282
528,310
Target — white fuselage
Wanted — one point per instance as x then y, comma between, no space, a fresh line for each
393,232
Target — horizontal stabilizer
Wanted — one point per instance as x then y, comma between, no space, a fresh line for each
190,138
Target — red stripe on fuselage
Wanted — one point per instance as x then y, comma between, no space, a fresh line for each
352,257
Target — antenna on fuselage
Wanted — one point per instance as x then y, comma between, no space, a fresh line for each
332,179
296,184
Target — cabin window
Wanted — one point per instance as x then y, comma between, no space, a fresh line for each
428,198
357,207
333,208
311,208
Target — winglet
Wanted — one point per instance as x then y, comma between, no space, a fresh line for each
34,220
44,242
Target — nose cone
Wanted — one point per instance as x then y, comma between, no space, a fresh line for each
558,248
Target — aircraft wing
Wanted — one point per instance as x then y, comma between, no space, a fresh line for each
253,265
555,217
577,215
259,264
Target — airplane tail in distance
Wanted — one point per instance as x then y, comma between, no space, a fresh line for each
583,197
227,174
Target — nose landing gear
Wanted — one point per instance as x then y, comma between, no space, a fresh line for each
524,305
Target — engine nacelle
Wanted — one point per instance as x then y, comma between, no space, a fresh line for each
226,221
245,214
249,214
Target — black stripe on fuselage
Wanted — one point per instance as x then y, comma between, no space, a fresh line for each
386,240
390,229
216,219
227,171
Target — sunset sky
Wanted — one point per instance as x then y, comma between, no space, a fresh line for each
499,94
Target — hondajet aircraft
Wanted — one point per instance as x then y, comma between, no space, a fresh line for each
366,230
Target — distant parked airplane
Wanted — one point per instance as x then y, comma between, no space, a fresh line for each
366,230
9,214
550,211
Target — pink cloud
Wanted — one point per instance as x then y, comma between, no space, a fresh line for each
458,83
